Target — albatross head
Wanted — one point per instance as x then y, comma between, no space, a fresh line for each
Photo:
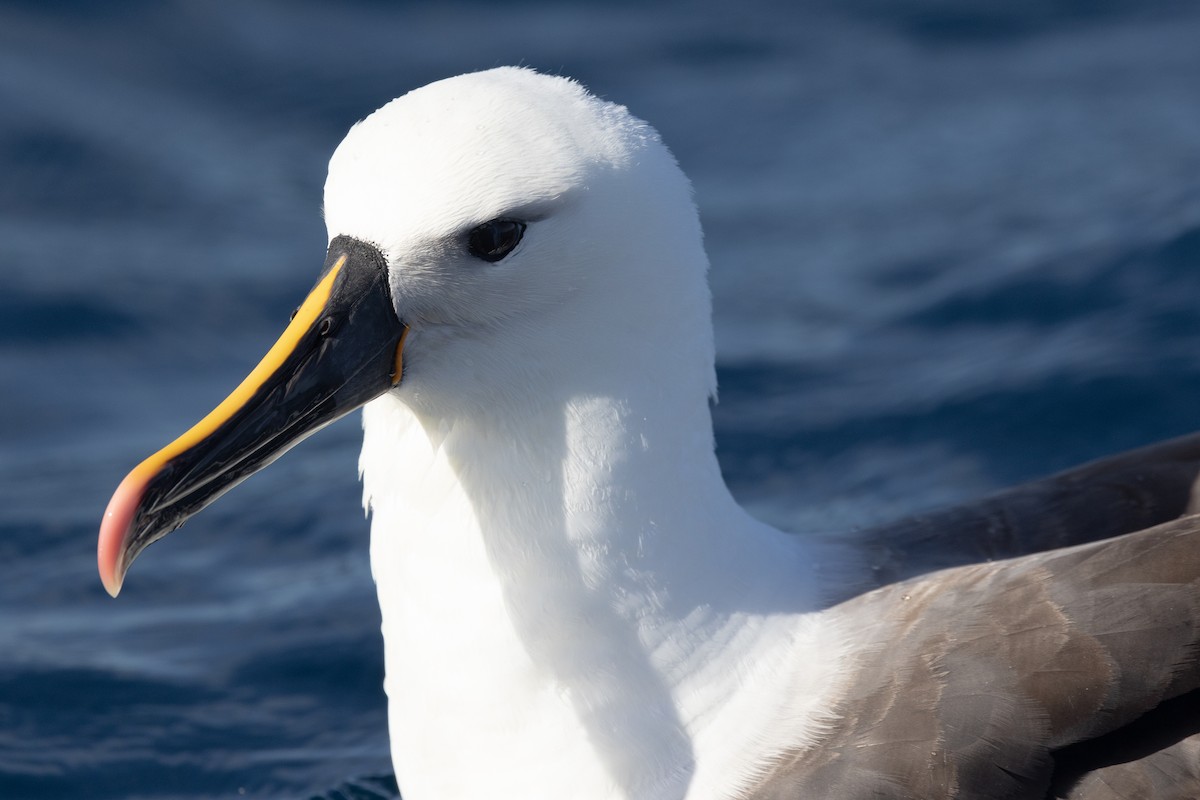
497,240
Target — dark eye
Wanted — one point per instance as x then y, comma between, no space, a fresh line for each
493,240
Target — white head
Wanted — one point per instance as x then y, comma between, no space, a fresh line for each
610,270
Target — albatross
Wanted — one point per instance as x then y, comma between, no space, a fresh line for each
573,604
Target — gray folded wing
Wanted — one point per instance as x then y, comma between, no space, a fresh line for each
1106,498
1146,759
972,681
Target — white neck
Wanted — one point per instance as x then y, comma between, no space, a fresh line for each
574,606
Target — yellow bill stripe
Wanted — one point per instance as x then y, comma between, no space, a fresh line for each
306,316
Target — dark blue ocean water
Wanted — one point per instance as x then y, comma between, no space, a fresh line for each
955,244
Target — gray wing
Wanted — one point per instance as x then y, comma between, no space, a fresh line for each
988,681
1145,759
1106,498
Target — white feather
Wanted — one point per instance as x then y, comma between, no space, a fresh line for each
573,605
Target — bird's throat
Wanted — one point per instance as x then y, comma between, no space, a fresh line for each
537,601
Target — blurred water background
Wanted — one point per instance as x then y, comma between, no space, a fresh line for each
955,244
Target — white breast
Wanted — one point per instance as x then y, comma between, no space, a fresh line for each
529,660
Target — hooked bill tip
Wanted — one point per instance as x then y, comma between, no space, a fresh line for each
112,584
115,531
